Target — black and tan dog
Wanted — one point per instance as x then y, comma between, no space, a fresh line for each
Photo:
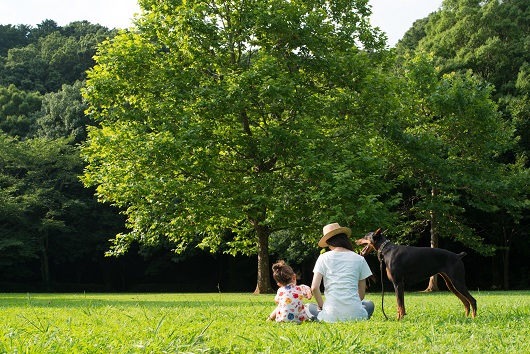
407,265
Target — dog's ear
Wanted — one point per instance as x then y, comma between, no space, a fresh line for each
377,232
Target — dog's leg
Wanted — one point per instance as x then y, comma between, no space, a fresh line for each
460,290
452,288
460,286
399,287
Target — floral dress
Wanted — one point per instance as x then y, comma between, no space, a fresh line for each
290,307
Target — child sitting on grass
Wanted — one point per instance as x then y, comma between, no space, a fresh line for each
289,296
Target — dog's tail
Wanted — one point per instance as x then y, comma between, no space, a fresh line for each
461,255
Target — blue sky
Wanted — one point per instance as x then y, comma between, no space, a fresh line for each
394,17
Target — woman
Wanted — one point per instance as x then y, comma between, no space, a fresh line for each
344,273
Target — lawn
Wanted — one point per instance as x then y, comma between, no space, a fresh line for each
236,323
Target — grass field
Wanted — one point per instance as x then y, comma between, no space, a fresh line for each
236,323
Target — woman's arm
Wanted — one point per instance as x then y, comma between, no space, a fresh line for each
315,288
362,288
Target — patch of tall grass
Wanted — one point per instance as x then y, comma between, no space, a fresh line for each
236,323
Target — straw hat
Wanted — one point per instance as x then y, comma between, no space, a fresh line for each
331,230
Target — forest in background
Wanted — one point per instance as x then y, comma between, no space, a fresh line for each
54,234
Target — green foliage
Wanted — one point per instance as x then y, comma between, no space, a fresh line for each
49,56
253,117
413,35
63,114
490,38
15,243
17,107
450,141
222,122
45,210
13,36
228,323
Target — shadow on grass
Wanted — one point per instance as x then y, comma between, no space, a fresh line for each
137,300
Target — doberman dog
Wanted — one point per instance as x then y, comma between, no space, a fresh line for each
407,265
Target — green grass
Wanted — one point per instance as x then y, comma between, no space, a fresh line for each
235,323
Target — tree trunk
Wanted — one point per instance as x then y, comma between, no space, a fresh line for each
264,277
496,274
45,264
433,281
506,269
506,261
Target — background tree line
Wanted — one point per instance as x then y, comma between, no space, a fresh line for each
489,39
247,138
48,219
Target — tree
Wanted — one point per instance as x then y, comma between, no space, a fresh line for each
42,203
52,58
17,108
44,29
503,219
413,35
452,143
13,245
46,214
63,114
252,117
12,37
488,37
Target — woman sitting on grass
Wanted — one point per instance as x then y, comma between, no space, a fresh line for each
344,273
289,296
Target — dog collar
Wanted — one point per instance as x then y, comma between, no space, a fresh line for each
382,246
381,250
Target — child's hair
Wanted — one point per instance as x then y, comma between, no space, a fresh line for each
282,273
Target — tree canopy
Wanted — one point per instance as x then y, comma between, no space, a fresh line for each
452,139
44,58
253,117
491,39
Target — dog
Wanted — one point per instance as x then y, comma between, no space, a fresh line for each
407,265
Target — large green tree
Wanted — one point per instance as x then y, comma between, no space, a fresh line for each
249,116
13,36
453,134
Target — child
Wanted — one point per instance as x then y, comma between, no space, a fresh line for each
289,296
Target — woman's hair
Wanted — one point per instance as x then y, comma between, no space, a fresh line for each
282,273
340,240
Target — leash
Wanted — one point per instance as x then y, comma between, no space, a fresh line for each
382,285
382,289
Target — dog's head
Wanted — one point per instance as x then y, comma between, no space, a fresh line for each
371,240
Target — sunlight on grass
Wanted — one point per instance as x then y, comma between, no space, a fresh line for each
235,323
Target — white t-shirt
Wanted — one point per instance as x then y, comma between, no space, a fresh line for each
342,272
